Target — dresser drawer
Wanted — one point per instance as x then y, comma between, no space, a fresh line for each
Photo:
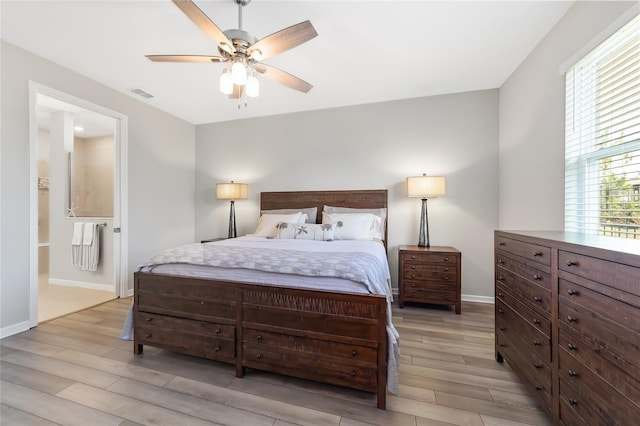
308,365
592,397
616,275
530,340
535,274
189,343
534,318
568,414
537,253
615,342
530,294
429,272
444,258
353,353
534,372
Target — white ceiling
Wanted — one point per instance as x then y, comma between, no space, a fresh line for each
366,51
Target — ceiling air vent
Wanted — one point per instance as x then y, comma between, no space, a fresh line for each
142,93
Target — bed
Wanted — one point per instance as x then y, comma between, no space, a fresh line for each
307,327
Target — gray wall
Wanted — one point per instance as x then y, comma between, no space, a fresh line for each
532,120
372,146
161,156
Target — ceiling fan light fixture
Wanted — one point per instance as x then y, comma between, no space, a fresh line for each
253,86
226,83
239,73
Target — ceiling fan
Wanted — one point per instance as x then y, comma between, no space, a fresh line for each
243,52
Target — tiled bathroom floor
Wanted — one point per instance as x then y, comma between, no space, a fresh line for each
57,300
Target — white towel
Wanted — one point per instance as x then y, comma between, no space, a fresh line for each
76,244
90,247
76,239
87,238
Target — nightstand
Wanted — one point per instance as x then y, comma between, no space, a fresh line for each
430,275
210,240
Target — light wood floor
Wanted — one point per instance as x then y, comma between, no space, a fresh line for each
75,370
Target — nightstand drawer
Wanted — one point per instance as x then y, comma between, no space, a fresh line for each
429,258
432,272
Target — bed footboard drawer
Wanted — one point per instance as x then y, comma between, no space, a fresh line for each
352,353
307,365
185,325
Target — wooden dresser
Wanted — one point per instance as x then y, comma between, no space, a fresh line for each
568,322
430,275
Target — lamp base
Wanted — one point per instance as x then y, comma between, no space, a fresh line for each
232,220
423,237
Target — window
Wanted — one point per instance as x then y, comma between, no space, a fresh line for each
602,138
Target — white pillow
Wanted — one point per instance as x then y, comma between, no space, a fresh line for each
267,224
380,212
311,213
305,231
352,226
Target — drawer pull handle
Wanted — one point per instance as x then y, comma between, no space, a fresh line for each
258,356
573,401
572,292
413,285
259,337
500,278
500,311
413,266
147,335
413,257
503,328
572,263
446,258
539,388
202,302
537,299
353,374
354,353
446,297
502,345
537,277
217,349
218,331
500,261
536,321
537,343
572,347
572,373
537,365
537,253
446,278
413,276
500,243
149,319
500,295
571,319
446,269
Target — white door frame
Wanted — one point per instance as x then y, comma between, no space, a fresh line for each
120,213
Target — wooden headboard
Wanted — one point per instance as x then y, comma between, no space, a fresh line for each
357,199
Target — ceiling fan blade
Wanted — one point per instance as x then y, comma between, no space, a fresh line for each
198,17
237,92
283,77
184,58
282,40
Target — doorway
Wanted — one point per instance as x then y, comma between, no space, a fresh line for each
77,169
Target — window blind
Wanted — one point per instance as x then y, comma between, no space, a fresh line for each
602,138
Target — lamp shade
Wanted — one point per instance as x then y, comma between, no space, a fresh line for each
425,186
232,191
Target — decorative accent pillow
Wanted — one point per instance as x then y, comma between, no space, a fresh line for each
305,231
267,224
353,226
380,212
311,213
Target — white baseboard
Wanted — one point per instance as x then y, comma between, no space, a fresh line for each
478,299
82,284
464,297
14,329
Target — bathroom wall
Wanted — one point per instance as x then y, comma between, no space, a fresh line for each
43,201
92,179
